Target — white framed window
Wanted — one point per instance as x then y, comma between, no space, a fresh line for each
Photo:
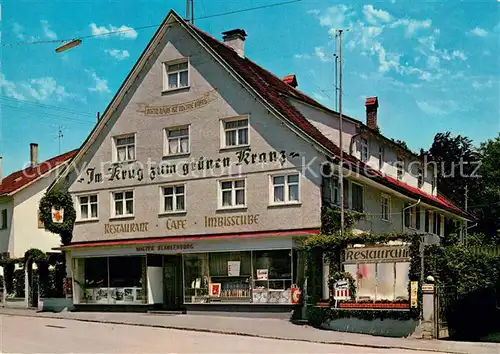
123,203
173,198
177,140
235,132
401,167
412,217
4,224
232,193
88,207
381,156
176,75
364,149
124,148
420,177
358,199
285,189
386,207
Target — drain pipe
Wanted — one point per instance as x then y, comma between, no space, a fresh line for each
421,242
351,143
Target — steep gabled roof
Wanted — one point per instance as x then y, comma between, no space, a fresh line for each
20,179
273,92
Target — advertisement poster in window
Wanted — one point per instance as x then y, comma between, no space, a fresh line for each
262,274
233,268
215,289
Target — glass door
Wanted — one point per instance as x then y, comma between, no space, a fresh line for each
172,271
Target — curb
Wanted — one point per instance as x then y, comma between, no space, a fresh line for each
235,333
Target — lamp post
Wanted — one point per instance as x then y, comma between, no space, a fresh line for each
68,45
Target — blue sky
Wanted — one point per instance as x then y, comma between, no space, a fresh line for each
434,65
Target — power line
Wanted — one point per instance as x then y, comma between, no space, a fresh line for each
148,26
69,119
46,106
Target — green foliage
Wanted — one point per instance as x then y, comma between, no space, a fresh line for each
58,198
470,280
18,282
34,255
8,272
319,315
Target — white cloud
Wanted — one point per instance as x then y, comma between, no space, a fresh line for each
480,32
412,25
45,88
47,31
10,89
314,12
438,108
320,53
374,16
18,31
101,85
433,62
117,53
336,16
124,32
302,56
459,54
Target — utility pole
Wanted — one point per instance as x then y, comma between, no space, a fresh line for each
341,171
464,236
59,137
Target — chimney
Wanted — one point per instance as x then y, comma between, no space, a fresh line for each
371,112
33,154
291,80
236,40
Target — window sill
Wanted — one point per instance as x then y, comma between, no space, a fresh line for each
233,148
285,205
173,213
182,154
175,90
235,208
122,217
126,162
387,221
83,221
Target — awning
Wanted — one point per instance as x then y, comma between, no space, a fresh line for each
147,241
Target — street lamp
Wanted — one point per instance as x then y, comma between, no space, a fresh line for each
68,45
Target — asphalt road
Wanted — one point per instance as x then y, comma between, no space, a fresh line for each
42,335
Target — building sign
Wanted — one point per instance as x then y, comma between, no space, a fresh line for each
57,215
166,247
196,166
232,220
160,111
233,268
176,224
414,294
377,254
126,228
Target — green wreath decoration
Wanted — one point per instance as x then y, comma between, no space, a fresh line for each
59,199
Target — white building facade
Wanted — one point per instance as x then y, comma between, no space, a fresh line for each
202,174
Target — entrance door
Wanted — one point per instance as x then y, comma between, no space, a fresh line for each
172,270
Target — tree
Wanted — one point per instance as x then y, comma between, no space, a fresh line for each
455,158
401,143
487,203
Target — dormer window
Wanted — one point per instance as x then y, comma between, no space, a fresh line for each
176,75
420,177
364,149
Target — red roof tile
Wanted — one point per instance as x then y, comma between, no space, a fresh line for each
19,179
272,88
290,80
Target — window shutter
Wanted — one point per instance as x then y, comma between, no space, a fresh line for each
407,215
427,220
418,218
439,224
326,191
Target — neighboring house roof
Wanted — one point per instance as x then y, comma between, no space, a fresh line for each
20,179
274,92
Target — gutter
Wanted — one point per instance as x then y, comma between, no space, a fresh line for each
351,143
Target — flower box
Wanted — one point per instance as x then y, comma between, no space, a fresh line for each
372,305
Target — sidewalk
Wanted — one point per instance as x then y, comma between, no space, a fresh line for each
263,328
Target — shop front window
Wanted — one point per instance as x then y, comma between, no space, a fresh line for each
380,281
256,276
113,280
